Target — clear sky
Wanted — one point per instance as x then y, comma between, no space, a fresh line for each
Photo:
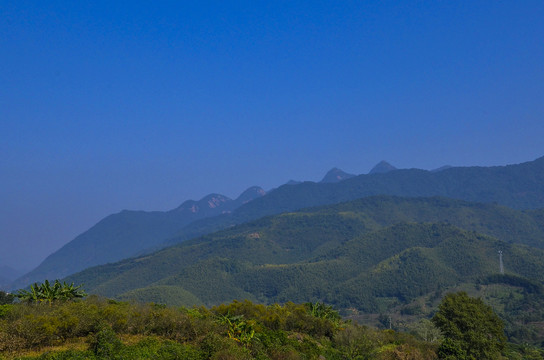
111,105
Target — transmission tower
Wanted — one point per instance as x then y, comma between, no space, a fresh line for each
500,262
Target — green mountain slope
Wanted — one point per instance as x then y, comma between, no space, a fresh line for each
401,269
360,244
371,213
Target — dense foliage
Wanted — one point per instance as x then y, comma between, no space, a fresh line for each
47,292
6,298
98,328
103,329
332,257
471,329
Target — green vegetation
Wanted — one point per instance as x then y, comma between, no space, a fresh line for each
471,329
47,292
403,261
305,236
6,298
98,328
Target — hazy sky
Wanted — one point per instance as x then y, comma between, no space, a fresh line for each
111,105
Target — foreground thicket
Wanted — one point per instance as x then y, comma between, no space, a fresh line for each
98,328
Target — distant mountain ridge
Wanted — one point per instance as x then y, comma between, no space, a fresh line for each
128,233
518,186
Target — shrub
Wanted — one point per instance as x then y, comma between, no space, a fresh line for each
5,309
105,344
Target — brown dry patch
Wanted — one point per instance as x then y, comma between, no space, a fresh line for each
77,344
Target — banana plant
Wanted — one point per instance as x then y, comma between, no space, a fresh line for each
322,311
70,291
238,329
33,295
48,292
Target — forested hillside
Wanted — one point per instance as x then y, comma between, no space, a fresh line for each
373,255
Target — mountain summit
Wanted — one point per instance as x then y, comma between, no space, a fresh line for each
382,167
207,203
335,175
252,193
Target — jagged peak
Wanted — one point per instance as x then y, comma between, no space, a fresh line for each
214,200
211,200
382,167
251,193
335,175
215,196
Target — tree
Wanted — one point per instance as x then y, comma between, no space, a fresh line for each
48,293
322,311
6,298
470,327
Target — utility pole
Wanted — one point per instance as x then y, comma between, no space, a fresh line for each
500,263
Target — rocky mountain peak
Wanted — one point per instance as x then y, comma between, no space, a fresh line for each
335,175
214,200
252,193
382,167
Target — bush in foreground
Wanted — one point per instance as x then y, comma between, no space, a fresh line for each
96,328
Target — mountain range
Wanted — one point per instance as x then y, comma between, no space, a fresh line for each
517,186
130,233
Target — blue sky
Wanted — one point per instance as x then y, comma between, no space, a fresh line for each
108,105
